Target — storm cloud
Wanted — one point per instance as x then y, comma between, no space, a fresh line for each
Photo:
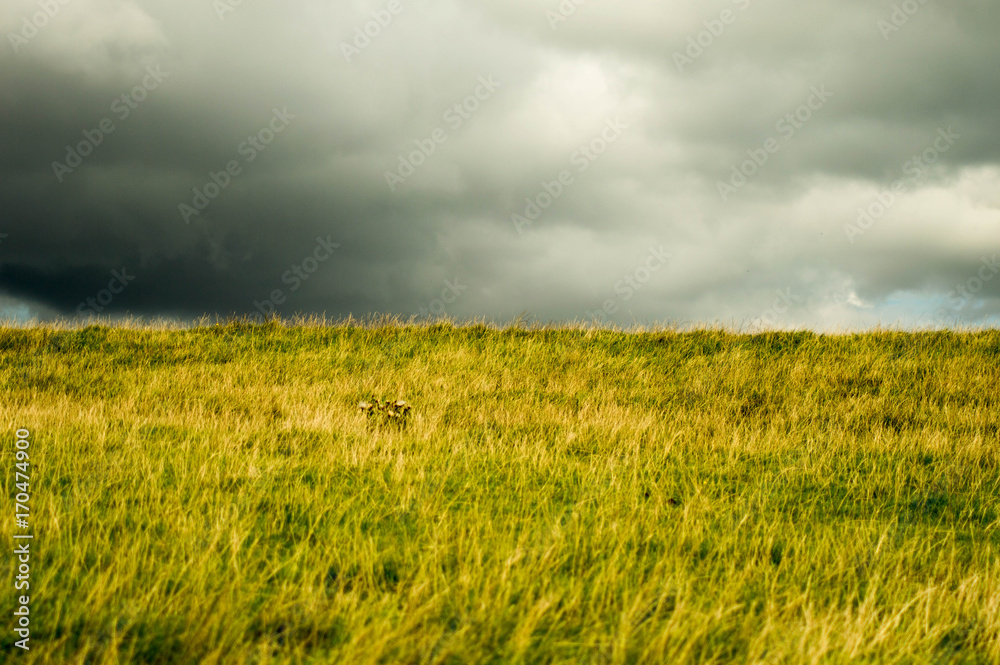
830,164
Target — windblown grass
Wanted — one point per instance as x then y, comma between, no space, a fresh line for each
214,495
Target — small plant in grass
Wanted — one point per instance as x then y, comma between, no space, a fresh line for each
387,412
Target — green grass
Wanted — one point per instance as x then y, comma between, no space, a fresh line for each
556,495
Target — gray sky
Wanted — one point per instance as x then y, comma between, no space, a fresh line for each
638,161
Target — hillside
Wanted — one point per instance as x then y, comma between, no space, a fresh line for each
555,495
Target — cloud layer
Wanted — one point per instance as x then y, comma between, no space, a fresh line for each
749,162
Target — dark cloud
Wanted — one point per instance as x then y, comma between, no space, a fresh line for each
214,90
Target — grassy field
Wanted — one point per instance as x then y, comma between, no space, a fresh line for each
555,495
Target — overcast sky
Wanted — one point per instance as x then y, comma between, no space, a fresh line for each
827,164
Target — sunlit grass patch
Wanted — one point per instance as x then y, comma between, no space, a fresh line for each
216,494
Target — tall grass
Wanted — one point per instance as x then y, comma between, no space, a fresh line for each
214,495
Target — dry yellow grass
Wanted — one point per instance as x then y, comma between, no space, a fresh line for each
556,495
